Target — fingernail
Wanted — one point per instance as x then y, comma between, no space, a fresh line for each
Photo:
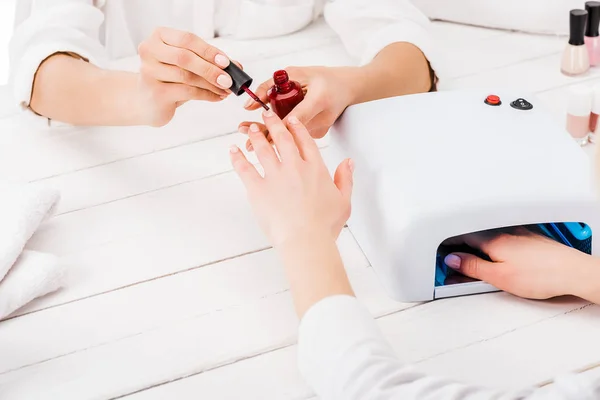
224,81
351,165
293,120
254,128
248,103
268,114
221,60
243,129
453,261
233,149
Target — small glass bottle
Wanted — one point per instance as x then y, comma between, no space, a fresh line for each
579,110
285,94
575,59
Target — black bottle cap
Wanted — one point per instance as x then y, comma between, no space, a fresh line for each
239,78
593,9
578,21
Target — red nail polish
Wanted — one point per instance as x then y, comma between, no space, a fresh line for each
284,95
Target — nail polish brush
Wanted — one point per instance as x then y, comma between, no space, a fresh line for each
241,83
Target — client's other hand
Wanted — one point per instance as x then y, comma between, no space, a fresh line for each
328,91
523,263
296,195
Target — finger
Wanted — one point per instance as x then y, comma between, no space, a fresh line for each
188,60
283,139
244,169
319,132
249,144
472,266
173,74
179,92
306,110
261,92
306,145
244,126
343,179
191,42
264,151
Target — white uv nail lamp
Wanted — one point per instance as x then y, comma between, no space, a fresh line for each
434,166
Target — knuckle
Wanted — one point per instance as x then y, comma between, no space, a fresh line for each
186,39
183,58
143,49
145,71
208,52
158,32
184,76
210,72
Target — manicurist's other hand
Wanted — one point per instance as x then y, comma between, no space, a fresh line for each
176,67
296,195
529,265
328,91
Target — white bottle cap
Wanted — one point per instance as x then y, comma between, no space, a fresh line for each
596,100
580,101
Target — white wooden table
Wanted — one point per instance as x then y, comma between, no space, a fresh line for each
173,291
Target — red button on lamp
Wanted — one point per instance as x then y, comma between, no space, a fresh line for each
493,100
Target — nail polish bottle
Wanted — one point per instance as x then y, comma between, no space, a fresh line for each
592,36
575,58
578,113
285,94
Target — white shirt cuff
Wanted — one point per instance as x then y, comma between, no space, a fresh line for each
328,333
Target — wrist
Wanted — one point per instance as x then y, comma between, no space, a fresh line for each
306,237
357,84
584,278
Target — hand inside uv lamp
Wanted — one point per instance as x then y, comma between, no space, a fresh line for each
523,263
328,91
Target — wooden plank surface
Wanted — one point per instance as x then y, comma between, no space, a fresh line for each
173,292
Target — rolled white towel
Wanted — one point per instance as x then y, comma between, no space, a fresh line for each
22,210
24,274
34,274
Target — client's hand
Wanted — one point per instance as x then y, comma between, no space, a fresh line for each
296,196
524,264
328,91
178,66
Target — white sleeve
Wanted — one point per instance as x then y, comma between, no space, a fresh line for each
53,26
368,26
343,356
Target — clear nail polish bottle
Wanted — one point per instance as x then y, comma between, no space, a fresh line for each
575,60
578,113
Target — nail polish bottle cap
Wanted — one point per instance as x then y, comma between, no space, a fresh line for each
596,100
580,101
239,78
578,21
593,9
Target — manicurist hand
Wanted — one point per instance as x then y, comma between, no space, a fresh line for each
529,265
296,194
328,91
176,67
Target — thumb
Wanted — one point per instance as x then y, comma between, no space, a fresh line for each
472,266
343,178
